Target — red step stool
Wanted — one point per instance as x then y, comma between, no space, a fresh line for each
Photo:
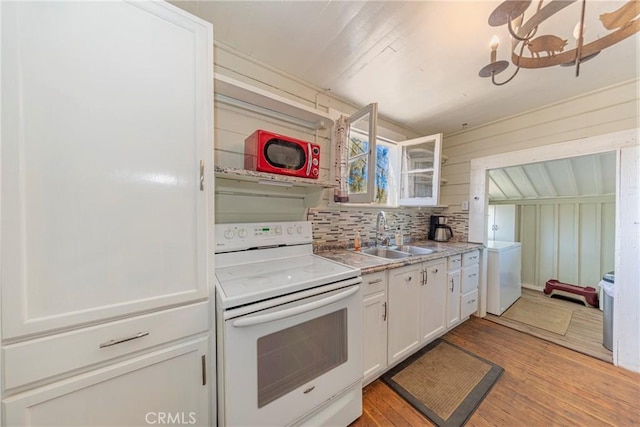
587,295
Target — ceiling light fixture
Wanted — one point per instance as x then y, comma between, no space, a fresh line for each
548,50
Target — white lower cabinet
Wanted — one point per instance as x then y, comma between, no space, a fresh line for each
166,386
434,300
404,311
417,306
469,283
374,312
453,298
408,307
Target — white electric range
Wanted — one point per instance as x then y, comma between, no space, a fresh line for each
289,329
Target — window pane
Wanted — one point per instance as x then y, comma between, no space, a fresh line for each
417,170
417,185
294,356
358,163
382,174
419,156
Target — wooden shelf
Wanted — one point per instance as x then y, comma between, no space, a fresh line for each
241,181
234,92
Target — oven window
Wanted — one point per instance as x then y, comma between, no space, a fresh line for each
283,154
294,356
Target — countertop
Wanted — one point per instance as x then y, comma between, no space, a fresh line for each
371,264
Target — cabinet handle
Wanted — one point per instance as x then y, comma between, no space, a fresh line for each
371,282
121,340
471,301
201,175
451,285
384,315
204,370
425,277
408,278
434,271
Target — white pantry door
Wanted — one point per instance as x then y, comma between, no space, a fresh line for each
106,118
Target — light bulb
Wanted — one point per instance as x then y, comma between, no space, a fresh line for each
494,48
495,42
576,31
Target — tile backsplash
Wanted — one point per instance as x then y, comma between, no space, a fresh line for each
333,228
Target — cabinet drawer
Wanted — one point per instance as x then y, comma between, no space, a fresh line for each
122,394
468,304
469,279
374,282
42,358
470,258
454,262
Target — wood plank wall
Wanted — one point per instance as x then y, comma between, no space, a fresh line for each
234,124
568,239
608,110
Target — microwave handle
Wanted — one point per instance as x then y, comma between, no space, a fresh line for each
309,159
283,314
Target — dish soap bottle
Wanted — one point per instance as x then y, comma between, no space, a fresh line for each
399,239
356,241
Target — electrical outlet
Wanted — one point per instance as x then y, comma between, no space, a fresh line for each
465,205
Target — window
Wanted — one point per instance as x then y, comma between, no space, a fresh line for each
406,173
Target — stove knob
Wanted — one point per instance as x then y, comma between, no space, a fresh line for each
228,234
242,233
315,162
278,230
290,230
315,172
300,229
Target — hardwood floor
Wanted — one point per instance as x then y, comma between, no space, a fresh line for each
543,384
585,330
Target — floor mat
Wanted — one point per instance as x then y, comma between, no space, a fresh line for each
444,382
543,316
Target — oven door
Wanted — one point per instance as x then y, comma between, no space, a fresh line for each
282,362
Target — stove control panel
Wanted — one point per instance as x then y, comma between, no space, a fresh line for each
237,237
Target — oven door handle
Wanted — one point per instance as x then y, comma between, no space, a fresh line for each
278,315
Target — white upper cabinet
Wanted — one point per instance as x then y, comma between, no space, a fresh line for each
361,147
107,161
387,172
502,223
420,171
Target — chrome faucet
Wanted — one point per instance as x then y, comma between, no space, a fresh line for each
385,227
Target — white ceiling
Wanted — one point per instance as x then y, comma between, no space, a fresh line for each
574,177
419,60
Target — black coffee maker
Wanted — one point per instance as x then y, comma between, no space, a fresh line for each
438,229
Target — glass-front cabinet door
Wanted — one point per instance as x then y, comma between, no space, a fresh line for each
420,171
361,145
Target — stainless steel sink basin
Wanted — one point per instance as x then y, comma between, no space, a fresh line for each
413,250
385,253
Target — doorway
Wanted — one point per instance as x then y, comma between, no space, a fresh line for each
562,214
624,144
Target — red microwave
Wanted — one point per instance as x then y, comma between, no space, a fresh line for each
269,152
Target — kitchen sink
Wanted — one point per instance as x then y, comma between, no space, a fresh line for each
384,252
396,252
413,250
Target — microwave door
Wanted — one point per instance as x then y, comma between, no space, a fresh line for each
285,155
